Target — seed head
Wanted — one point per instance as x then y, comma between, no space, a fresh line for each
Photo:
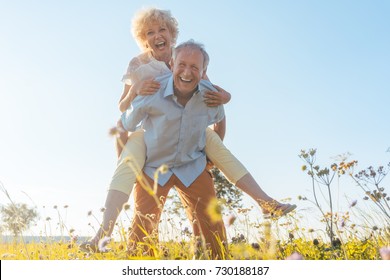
163,169
103,244
353,203
115,131
231,219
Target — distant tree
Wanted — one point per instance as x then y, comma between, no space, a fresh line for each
17,217
226,191
230,196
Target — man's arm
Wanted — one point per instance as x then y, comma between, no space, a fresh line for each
132,117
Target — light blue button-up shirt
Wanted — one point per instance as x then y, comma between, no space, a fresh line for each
175,135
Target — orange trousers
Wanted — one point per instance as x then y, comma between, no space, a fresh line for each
195,199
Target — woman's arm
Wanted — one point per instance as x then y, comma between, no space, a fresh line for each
216,98
126,98
220,128
147,87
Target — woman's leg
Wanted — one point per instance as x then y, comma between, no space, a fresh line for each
113,206
130,163
269,206
238,175
129,166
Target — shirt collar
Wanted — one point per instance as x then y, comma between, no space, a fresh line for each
169,89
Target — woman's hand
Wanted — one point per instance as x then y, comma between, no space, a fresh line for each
216,98
146,87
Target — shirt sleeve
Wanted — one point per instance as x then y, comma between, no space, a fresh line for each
132,117
220,113
216,114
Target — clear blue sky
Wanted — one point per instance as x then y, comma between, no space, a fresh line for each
303,74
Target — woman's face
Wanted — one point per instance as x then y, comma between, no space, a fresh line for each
159,41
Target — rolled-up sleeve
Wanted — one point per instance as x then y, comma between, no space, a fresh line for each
215,114
220,113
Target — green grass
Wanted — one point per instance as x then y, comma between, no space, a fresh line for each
352,234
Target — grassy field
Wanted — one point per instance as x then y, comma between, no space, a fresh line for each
350,244
352,234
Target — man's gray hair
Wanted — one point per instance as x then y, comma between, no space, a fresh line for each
193,45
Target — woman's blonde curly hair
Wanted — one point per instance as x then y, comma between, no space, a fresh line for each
143,18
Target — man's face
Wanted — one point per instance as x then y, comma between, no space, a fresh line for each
187,70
